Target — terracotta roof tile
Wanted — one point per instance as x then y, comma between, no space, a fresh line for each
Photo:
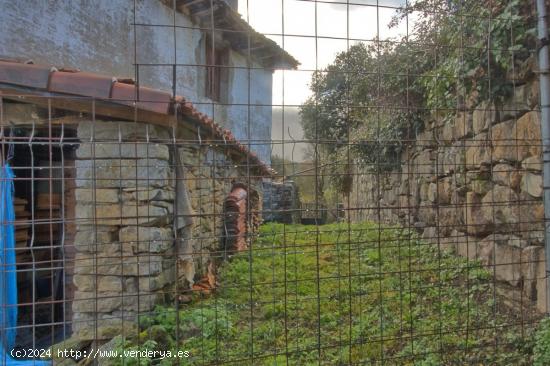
145,98
22,74
80,83
123,92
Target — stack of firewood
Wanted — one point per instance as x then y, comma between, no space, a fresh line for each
22,222
48,218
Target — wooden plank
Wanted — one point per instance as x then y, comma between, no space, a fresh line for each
20,201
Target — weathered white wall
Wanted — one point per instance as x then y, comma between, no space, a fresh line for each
98,36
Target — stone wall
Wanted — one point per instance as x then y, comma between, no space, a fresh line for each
210,175
126,260
281,202
473,185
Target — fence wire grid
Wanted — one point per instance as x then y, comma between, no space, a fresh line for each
283,182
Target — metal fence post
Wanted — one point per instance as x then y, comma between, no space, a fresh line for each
544,75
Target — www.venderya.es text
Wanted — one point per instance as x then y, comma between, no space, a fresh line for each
99,353
144,353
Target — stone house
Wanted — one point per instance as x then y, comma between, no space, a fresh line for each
129,190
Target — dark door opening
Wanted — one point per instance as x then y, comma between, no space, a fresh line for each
44,235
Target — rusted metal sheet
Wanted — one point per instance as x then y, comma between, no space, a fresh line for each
235,220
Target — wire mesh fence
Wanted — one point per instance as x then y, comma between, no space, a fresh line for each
290,182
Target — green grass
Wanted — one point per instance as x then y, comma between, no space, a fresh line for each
339,295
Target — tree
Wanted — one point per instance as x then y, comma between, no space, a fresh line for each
375,98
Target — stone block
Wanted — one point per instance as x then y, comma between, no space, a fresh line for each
506,175
532,184
93,326
533,262
468,247
125,131
500,208
122,173
94,302
426,213
148,284
484,117
116,150
496,251
504,145
145,194
477,152
480,174
532,163
390,197
463,126
524,98
94,238
450,242
92,283
146,239
450,219
474,216
507,264
451,159
430,234
440,191
118,265
404,187
423,164
446,133
481,186
123,215
99,195
542,295
516,141
425,139
527,132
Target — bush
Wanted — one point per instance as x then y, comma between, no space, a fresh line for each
541,351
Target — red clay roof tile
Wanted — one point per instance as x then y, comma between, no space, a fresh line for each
122,92
145,98
33,76
80,83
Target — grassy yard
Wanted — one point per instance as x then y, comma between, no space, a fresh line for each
339,295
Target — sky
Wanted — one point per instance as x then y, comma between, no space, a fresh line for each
314,33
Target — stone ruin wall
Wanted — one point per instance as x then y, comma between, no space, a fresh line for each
474,186
281,202
125,261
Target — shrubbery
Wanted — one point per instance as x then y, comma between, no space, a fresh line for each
377,96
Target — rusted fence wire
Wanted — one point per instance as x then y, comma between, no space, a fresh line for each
290,182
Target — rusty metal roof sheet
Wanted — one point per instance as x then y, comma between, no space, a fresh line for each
121,93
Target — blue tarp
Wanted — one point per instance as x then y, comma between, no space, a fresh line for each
8,276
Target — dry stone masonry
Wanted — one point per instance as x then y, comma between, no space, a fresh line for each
126,260
473,185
